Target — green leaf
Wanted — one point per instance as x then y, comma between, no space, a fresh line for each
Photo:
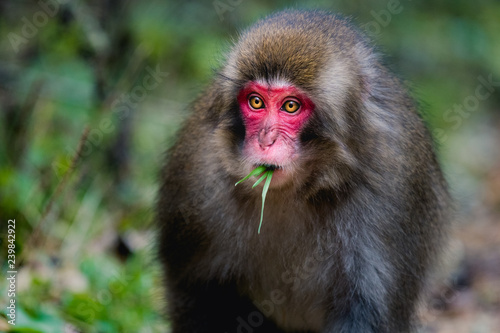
264,192
260,180
267,174
257,171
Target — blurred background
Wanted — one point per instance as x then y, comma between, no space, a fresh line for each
92,92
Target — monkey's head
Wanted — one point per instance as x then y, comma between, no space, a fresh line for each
288,99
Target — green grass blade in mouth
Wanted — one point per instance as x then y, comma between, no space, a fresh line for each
269,175
260,180
255,172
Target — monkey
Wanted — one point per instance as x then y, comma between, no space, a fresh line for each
357,208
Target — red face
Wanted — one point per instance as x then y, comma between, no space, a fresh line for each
273,116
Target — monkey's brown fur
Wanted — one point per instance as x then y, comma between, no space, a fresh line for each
348,244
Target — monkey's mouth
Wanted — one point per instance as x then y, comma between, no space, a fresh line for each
281,174
271,167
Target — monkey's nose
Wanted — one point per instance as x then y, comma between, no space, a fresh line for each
267,137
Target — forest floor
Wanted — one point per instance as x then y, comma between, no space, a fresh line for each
470,301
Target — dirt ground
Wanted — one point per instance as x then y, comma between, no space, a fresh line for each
470,300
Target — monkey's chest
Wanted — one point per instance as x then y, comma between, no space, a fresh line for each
283,270
285,276
290,292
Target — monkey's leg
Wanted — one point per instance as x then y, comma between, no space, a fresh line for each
212,308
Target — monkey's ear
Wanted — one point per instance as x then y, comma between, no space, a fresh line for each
368,67
210,105
365,91
365,88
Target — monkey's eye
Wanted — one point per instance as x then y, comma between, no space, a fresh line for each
291,106
256,102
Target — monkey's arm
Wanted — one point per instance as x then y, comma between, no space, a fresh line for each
382,252
198,303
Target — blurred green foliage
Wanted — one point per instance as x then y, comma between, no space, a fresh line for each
85,65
